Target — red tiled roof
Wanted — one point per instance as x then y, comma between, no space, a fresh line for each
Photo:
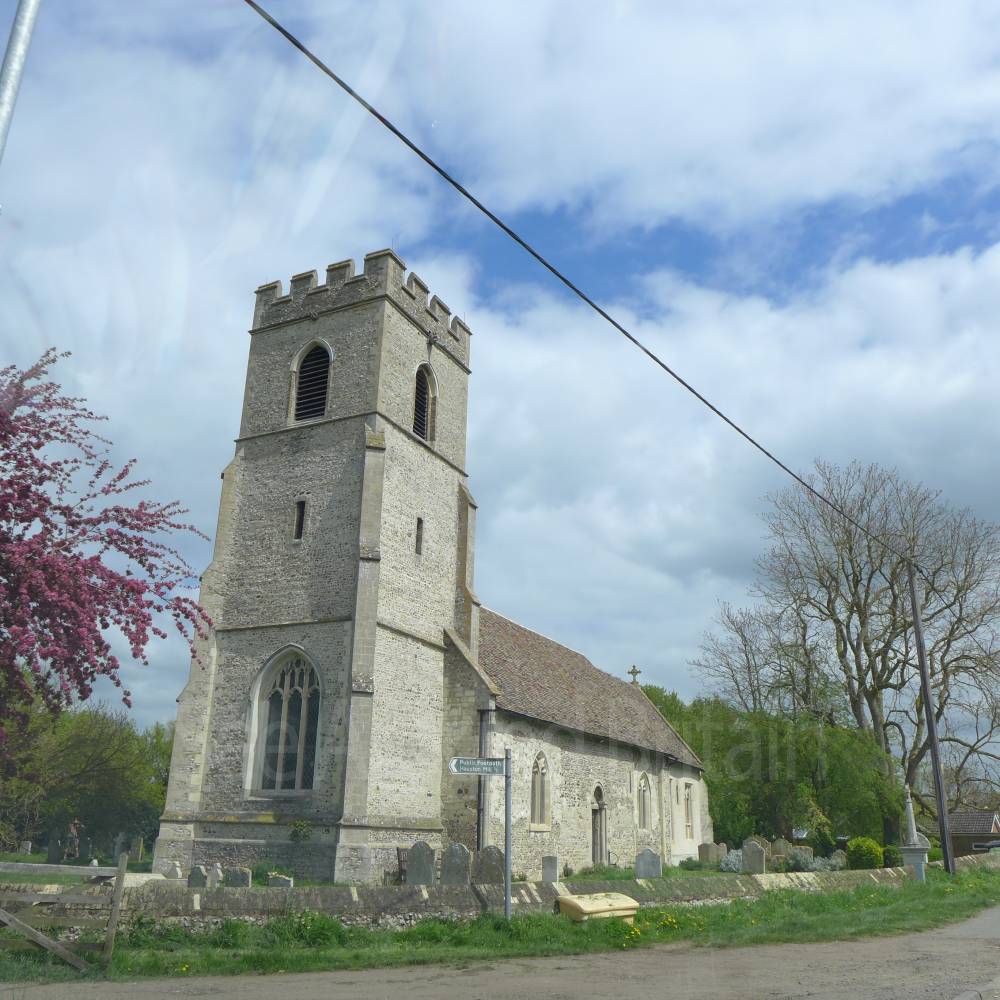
543,680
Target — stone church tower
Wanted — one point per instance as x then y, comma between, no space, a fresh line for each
341,577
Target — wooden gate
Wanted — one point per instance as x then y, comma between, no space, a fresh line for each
28,913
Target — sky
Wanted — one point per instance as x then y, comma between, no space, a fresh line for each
795,205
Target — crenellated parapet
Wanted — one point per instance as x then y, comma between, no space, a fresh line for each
384,275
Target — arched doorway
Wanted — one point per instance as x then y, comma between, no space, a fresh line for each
598,828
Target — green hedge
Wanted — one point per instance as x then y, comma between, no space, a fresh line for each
863,852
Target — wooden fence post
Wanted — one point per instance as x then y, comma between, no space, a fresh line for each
116,906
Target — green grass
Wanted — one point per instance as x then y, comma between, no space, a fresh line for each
310,942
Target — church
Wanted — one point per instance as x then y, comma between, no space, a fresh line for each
350,657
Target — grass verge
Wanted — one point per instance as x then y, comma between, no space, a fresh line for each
311,941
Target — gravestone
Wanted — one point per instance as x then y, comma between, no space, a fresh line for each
215,876
706,853
53,852
173,870
648,864
754,858
281,881
720,852
488,866
239,878
24,847
93,863
136,849
724,847
420,864
550,868
839,857
779,849
121,841
456,865
198,878
804,851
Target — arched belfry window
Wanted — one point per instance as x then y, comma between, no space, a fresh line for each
423,403
644,802
311,384
540,795
290,712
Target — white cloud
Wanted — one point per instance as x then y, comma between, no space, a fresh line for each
162,165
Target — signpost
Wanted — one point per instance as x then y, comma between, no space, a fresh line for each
495,766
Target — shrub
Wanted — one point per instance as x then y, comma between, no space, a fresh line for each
935,854
567,871
863,852
732,862
821,839
300,832
265,868
827,865
892,856
693,865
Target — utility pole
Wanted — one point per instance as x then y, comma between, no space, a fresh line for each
925,685
13,63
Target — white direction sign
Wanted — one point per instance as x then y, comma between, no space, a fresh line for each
476,765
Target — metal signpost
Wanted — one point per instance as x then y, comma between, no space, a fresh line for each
494,766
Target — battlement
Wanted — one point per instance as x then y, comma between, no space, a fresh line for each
384,274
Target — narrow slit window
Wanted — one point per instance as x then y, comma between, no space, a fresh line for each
300,519
311,386
420,535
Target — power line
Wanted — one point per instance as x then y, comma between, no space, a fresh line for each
584,297
575,289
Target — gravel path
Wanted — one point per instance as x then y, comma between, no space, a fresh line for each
933,965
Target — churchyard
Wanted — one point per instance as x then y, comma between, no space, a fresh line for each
207,923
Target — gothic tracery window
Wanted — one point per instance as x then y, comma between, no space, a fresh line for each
290,708
311,384
540,798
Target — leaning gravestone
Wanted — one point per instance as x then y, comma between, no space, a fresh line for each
648,864
488,867
754,858
779,849
420,864
198,878
456,865
53,853
24,847
550,868
173,870
239,878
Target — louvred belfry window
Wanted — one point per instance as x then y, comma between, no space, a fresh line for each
310,390
422,406
292,712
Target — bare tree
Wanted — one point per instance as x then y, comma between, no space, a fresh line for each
832,629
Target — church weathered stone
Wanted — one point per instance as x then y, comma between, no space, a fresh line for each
420,864
550,868
648,864
488,866
456,865
349,657
754,858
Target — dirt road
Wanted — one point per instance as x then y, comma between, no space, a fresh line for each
934,965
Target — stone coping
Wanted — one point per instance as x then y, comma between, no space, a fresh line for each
173,898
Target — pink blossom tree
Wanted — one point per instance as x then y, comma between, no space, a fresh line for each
78,561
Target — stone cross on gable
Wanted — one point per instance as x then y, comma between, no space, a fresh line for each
635,671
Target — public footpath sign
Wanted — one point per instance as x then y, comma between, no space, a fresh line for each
476,765
494,766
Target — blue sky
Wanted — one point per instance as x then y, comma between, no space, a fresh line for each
796,206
